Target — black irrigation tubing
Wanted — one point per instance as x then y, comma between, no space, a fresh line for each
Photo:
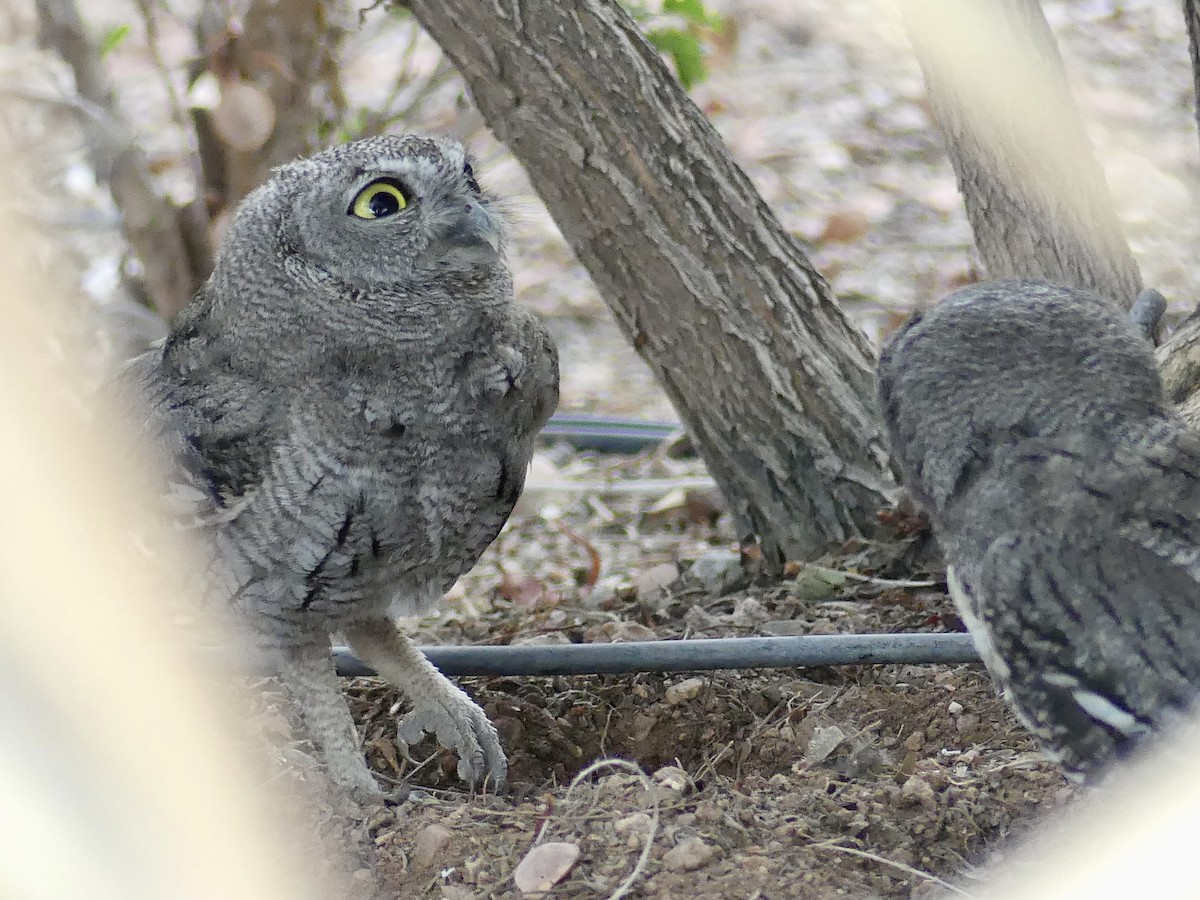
690,655
603,434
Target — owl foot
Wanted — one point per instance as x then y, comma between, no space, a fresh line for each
308,673
457,721
438,706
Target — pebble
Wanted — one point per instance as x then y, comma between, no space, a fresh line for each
638,821
431,842
690,854
653,582
673,779
683,691
717,570
918,790
823,742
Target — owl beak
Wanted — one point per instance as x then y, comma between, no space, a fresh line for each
475,230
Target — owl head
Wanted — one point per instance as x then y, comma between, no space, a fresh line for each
390,230
389,209
999,362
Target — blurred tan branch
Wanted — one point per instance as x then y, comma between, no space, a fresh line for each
115,783
174,263
1036,198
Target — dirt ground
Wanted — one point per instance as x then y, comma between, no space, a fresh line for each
857,782
864,781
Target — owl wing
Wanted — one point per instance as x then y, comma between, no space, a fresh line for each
1092,615
213,438
536,395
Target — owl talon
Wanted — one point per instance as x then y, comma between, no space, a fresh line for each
464,727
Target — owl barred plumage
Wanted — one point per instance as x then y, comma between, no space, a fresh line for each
352,399
1030,421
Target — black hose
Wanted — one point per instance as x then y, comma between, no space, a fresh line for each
690,655
604,434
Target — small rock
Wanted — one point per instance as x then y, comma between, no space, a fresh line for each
634,822
918,790
653,582
717,570
431,842
823,742
690,854
683,691
915,741
708,811
544,866
642,725
954,708
673,779
862,762
817,583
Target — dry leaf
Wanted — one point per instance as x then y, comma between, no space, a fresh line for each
527,591
545,866
845,225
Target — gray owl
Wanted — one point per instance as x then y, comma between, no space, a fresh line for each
1029,421
353,399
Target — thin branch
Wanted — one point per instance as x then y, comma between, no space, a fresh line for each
151,223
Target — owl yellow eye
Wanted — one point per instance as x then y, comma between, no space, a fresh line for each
379,199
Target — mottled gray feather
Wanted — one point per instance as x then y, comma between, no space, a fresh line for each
352,405
1029,420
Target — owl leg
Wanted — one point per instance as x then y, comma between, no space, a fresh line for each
438,706
309,674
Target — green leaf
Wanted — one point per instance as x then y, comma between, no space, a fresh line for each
113,38
684,50
693,11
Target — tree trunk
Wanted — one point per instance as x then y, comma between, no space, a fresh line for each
1035,196
770,377
1179,357
287,52
152,225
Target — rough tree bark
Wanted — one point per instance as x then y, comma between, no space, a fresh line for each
1035,195
771,378
1179,357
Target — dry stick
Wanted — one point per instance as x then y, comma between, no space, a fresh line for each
640,866
891,862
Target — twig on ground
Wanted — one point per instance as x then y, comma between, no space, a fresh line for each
874,857
639,866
